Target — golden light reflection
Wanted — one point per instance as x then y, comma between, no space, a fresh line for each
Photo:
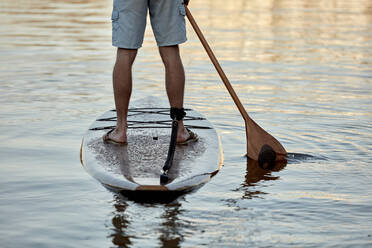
285,30
316,195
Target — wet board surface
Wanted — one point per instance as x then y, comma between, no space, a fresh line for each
136,167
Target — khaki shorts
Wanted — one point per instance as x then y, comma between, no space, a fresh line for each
129,22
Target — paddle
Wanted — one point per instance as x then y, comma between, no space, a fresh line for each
261,146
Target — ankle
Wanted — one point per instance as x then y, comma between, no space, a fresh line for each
121,128
177,113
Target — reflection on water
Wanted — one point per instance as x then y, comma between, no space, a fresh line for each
171,234
254,175
301,68
120,224
169,230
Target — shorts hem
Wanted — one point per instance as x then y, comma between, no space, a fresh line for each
163,44
125,47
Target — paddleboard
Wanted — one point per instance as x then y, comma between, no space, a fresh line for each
134,169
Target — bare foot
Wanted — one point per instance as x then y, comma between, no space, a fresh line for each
184,136
115,137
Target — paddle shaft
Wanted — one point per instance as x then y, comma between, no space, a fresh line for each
218,67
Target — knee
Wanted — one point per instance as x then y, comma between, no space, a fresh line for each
170,55
126,56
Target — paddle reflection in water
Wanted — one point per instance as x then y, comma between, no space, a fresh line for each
255,174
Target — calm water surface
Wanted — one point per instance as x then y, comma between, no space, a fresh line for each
303,70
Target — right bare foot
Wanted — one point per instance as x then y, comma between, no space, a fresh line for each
186,136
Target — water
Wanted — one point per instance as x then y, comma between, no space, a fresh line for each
301,68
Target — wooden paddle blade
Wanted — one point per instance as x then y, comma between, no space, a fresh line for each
259,143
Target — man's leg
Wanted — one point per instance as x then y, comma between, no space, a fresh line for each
122,84
175,83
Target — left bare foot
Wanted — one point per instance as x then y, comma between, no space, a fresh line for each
115,137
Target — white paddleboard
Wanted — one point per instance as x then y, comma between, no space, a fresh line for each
134,169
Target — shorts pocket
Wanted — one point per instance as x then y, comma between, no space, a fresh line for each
115,24
115,15
182,10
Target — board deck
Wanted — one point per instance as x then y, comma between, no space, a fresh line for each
136,168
